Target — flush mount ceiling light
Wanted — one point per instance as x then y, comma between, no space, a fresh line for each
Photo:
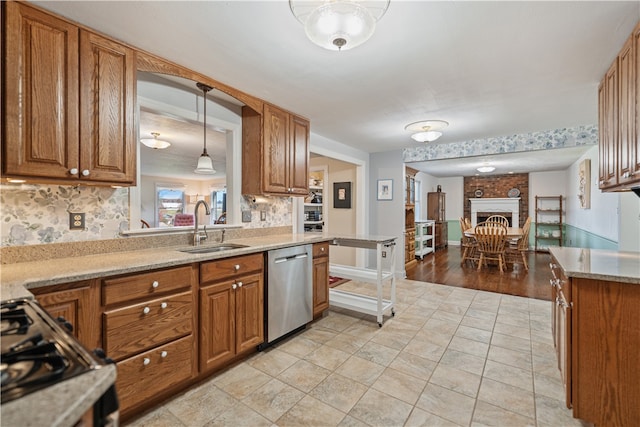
205,164
339,24
154,142
426,130
485,169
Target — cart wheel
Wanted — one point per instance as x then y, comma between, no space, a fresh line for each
379,325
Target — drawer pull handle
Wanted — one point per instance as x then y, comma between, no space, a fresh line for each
239,284
164,354
146,310
155,284
164,305
146,361
234,286
236,267
86,172
321,249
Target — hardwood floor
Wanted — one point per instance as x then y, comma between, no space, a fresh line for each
444,267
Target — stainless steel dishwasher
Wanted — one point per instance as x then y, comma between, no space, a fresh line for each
289,290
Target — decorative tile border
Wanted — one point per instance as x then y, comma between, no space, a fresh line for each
558,138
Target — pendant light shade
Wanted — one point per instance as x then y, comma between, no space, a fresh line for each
339,24
205,164
426,130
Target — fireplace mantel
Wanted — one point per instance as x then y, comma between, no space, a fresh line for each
510,204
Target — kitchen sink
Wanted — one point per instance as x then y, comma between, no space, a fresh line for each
211,249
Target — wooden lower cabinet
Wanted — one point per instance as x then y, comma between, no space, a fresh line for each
149,325
320,278
144,375
79,305
441,230
231,309
596,326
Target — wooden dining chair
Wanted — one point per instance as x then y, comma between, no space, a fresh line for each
499,219
469,245
518,251
491,238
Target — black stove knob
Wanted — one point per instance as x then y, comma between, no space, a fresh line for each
67,325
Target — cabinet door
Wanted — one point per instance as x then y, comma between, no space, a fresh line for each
41,94
627,112
249,303
634,148
76,306
217,319
276,150
299,156
607,146
320,285
107,110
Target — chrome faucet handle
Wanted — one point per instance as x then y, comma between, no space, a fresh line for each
224,230
206,233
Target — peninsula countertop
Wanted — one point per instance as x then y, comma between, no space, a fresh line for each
599,264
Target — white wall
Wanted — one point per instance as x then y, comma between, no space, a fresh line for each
603,217
454,199
387,216
552,183
428,184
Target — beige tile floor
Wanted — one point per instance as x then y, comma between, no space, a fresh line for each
450,357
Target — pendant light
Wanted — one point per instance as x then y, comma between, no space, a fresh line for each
205,164
426,130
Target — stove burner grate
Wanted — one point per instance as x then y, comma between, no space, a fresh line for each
14,321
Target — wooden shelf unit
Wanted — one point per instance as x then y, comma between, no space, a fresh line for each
549,229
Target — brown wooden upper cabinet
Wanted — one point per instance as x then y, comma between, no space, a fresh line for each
275,152
619,120
69,105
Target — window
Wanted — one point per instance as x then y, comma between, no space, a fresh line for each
169,202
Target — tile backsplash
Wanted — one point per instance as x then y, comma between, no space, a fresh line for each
33,214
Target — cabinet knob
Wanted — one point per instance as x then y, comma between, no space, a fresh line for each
73,171
239,284
554,282
625,175
234,286
85,172
236,267
321,249
155,284
164,305
146,310
146,361
164,354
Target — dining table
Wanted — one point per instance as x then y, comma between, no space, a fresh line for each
512,232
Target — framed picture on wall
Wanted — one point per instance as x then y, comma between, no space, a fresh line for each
342,195
385,189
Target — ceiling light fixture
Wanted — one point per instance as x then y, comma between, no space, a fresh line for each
205,164
426,130
339,24
155,143
485,169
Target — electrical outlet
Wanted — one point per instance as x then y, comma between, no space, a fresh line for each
263,215
76,220
246,216
384,254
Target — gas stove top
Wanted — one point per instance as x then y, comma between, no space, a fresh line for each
36,350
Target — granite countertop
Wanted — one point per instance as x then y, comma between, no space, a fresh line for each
64,403
599,264
17,279
61,404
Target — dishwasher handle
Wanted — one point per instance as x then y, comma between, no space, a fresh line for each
290,258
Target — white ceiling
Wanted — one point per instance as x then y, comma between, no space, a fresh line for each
488,68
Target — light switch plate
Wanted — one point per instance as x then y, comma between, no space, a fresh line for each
246,216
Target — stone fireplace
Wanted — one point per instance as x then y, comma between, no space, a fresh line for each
508,207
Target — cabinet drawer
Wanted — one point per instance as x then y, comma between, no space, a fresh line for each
165,366
137,286
135,328
320,249
224,268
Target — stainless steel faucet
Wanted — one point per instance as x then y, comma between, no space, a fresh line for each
224,230
199,236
